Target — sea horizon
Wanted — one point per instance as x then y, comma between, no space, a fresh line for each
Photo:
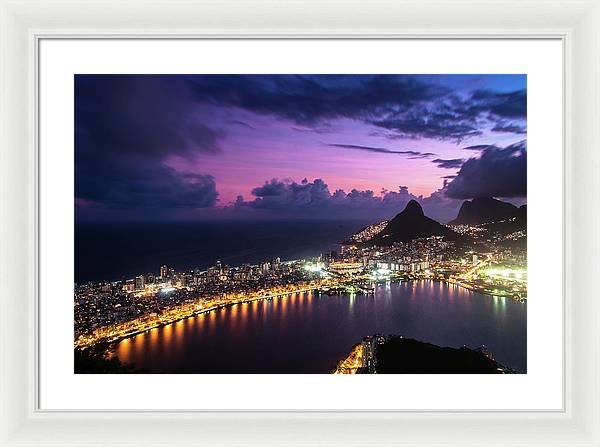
111,251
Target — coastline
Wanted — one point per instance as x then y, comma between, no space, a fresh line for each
111,342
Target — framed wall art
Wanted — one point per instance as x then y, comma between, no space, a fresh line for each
250,223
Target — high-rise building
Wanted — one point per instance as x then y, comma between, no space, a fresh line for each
186,280
265,267
139,282
164,271
128,286
275,263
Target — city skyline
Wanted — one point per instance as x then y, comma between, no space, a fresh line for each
198,147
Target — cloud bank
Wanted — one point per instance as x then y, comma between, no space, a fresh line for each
498,172
313,199
125,127
402,106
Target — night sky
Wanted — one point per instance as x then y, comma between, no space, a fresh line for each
199,147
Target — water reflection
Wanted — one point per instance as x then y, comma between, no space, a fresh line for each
125,348
307,333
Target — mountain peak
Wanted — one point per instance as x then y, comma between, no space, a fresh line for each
413,208
411,224
484,209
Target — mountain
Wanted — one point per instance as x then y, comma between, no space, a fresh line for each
367,233
411,224
483,210
522,213
516,223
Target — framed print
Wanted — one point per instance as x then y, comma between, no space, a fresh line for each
219,232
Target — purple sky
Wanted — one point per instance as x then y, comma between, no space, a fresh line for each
204,146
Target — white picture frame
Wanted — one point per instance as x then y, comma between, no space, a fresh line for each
24,23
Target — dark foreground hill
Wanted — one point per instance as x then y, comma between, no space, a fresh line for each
411,224
407,356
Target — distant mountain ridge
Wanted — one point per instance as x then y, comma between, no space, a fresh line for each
410,224
484,210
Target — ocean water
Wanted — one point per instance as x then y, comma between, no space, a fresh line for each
108,252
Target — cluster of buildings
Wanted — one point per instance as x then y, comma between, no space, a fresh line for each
415,256
104,304
369,232
217,274
491,263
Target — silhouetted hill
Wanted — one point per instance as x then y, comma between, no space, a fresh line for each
91,361
516,223
483,210
407,356
411,224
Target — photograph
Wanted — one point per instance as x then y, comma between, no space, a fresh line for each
300,224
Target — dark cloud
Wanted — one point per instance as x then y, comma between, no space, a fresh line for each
477,147
381,150
136,182
450,117
307,100
504,105
498,172
286,194
509,128
446,118
284,198
403,106
140,114
271,188
452,163
125,129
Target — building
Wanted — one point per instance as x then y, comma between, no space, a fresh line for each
346,268
186,280
265,267
139,282
164,271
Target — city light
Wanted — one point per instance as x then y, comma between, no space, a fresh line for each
167,289
315,268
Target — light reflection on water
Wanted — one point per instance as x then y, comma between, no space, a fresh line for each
309,333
